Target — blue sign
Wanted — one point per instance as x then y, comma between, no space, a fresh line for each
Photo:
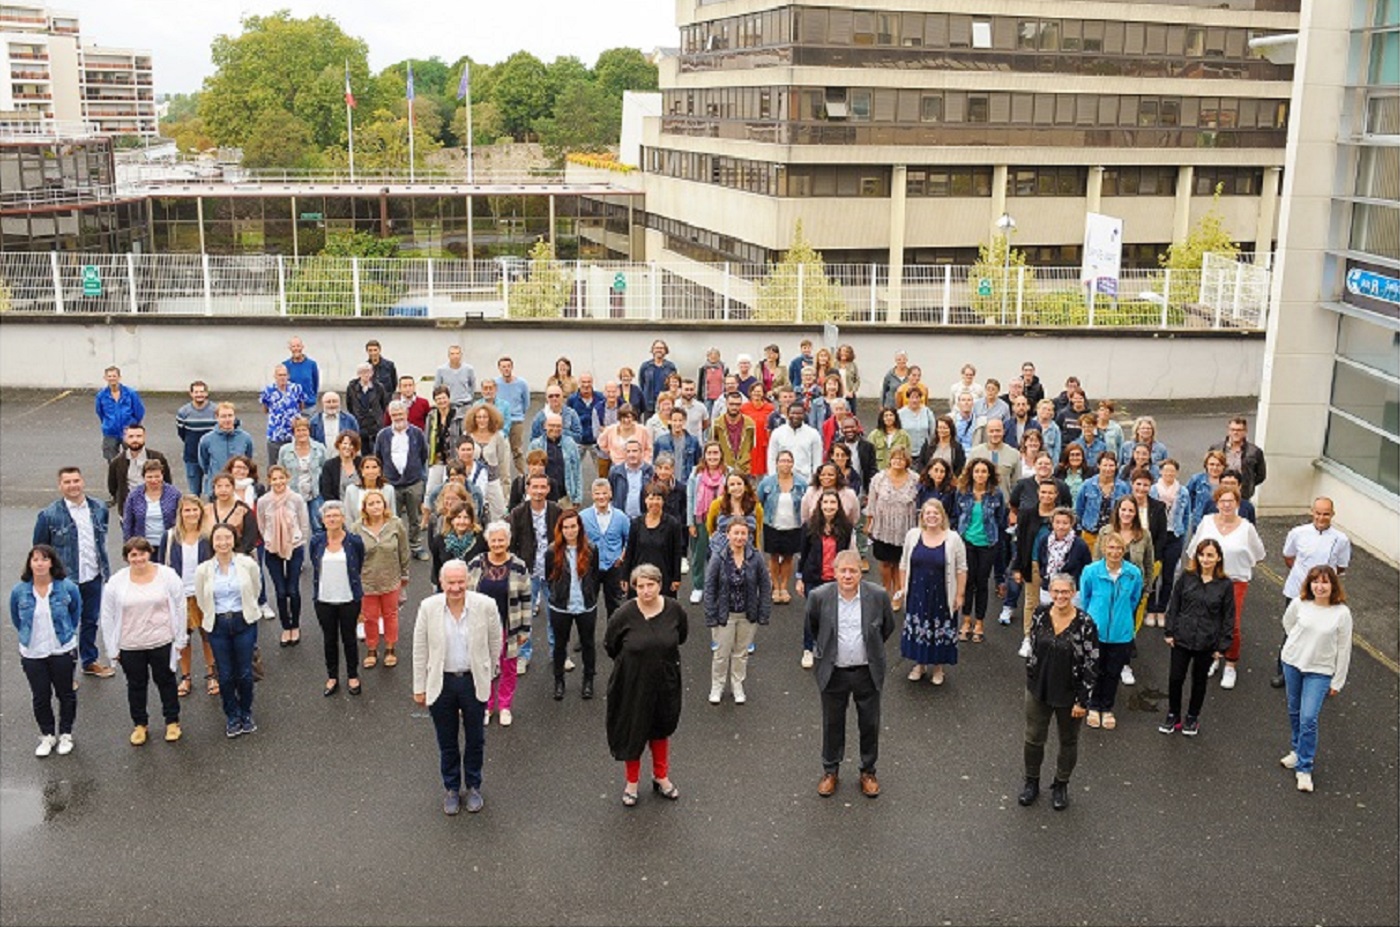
1373,285
1107,285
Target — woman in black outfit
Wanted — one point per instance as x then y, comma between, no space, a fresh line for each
572,574
643,638
1200,626
342,469
826,534
939,482
658,539
1060,674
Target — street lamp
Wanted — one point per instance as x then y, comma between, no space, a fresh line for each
1007,226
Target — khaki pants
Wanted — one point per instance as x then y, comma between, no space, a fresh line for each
1030,597
731,658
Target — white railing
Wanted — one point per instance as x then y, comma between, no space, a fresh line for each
505,288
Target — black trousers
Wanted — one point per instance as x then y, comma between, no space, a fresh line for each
847,683
611,581
1112,659
562,624
143,666
1038,715
49,677
338,620
1197,663
980,561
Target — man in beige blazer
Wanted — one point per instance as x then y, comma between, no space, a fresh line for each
456,654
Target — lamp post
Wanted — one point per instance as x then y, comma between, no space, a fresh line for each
1007,225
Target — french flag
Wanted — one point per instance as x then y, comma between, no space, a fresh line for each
349,95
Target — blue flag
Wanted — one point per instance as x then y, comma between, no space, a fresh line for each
465,87
410,81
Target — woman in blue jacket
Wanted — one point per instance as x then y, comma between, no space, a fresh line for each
780,500
1110,590
337,557
1093,504
46,607
981,523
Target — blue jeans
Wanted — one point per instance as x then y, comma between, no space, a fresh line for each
194,477
232,641
1306,693
286,582
313,511
91,592
458,702
538,616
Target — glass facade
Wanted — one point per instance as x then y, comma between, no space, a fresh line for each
59,195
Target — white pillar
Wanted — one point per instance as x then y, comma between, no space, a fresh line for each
899,176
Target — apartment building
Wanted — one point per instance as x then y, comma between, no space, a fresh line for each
47,74
899,131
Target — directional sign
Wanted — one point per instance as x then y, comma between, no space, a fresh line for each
984,286
92,280
620,282
1373,285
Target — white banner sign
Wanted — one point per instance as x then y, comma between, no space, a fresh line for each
1103,252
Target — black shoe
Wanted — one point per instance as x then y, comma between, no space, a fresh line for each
588,688
558,690
1170,725
331,689
1030,793
1191,726
1277,682
1059,795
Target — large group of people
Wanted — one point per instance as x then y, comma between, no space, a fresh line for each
759,481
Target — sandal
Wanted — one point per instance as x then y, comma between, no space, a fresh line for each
962,634
390,658
1109,722
185,685
371,661
629,799
916,673
977,637
211,683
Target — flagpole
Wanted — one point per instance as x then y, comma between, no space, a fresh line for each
350,120
470,175
410,122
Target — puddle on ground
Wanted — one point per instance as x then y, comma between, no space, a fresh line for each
22,810
1147,699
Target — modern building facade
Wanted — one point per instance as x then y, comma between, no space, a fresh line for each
1330,405
47,74
899,131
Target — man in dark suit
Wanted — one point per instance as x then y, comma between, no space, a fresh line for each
531,532
850,621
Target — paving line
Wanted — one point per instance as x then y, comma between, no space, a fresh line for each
1381,656
47,402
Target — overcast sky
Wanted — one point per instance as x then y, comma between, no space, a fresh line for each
178,32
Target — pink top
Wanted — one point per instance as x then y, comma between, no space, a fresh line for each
145,616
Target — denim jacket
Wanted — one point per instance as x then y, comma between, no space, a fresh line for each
769,492
993,515
65,605
1090,499
55,526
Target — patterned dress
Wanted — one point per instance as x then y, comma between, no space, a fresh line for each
930,628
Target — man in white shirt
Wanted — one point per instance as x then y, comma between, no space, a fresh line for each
75,525
403,450
849,620
458,377
966,383
457,642
801,439
1306,546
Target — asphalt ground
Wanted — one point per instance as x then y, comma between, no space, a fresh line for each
331,813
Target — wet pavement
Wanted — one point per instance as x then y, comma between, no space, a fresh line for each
331,813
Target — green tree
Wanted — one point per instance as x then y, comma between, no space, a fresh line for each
520,90
280,140
325,284
545,292
992,265
619,69
585,118
281,63
487,125
779,294
360,244
1184,258
562,73
381,143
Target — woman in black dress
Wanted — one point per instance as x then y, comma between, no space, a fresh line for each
643,639
658,539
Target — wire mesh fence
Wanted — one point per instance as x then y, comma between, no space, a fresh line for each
1225,293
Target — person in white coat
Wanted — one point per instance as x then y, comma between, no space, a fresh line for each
226,591
143,621
456,653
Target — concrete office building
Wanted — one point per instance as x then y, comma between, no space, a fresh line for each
47,74
1330,405
899,131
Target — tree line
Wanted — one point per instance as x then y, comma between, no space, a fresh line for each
278,93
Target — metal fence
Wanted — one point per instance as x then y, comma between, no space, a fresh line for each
1225,294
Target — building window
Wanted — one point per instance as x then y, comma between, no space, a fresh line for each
1047,181
1363,427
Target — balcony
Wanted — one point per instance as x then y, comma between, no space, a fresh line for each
31,95
29,56
19,76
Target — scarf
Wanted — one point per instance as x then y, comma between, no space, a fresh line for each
707,488
1056,552
457,545
285,534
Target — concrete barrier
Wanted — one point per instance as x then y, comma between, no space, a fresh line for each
165,354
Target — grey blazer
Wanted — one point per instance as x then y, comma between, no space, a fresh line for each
877,622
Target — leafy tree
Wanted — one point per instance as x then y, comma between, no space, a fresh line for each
188,134
562,73
521,92
281,63
585,119
487,125
1184,258
430,76
619,69
778,295
545,292
360,244
325,284
182,106
992,265
381,143
282,140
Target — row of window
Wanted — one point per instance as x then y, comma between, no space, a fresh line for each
65,165
1363,427
704,245
442,209
890,105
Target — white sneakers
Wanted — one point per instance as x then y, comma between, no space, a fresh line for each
505,717
1289,760
696,596
685,565
716,693
1305,782
1126,677
807,659
65,744
568,664
1005,616
1214,667
1025,650
359,630
46,744
521,666
739,696
267,613
1227,678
